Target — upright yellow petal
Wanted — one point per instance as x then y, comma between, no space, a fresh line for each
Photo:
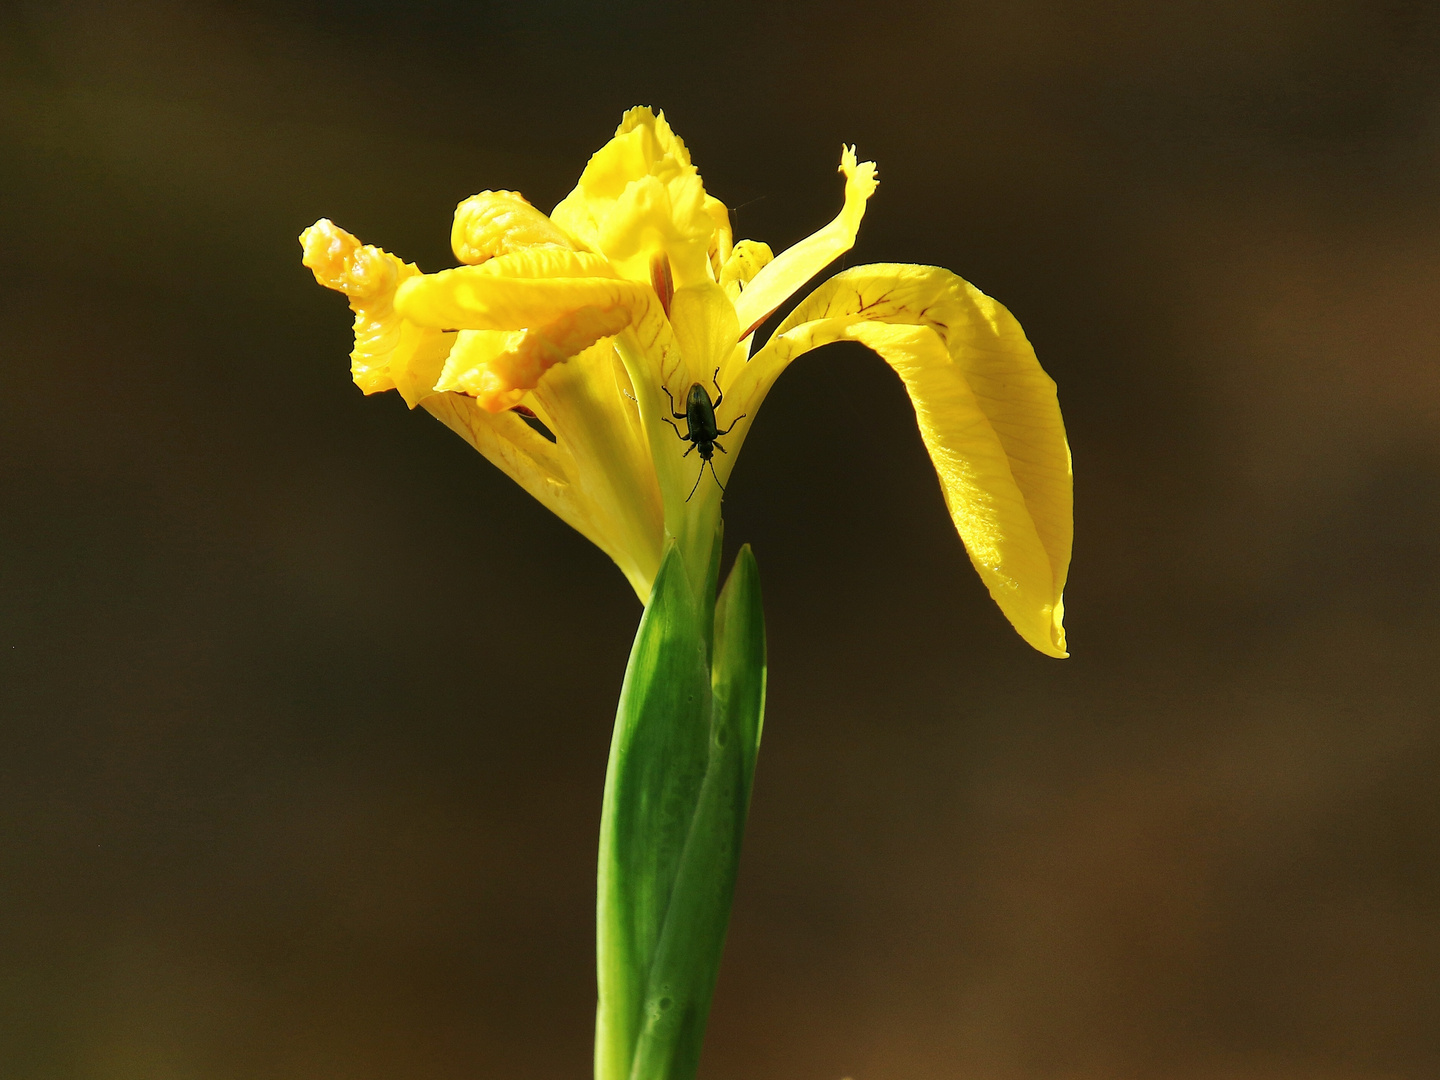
722,242
747,258
796,265
986,410
640,196
705,327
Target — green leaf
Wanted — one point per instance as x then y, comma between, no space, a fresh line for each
687,960
658,761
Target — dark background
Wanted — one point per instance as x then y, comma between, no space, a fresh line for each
306,707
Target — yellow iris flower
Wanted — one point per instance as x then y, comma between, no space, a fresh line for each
633,287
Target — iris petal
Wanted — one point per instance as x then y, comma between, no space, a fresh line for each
987,412
468,299
389,352
796,265
640,196
500,223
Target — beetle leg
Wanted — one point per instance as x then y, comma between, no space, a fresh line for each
731,427
720,448
676,415
719,394
683,438
687,452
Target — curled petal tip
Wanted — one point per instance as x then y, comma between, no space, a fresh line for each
328,251
498,223
1057,631
861,174
1056,642
340,262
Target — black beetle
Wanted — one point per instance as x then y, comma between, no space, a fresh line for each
701,432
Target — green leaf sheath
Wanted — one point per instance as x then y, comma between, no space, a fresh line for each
687,961
677,794
657,763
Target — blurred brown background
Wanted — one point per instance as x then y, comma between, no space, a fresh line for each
305,707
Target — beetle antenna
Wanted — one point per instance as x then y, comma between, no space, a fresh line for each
699,476
717,477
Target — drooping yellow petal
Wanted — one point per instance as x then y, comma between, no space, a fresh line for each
796,265
986,410
390,352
